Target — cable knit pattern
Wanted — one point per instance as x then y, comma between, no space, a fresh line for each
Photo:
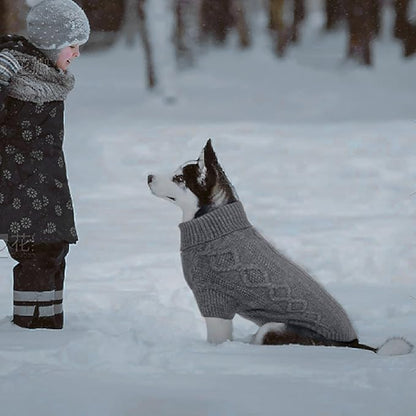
232,269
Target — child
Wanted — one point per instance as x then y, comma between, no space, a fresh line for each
36,215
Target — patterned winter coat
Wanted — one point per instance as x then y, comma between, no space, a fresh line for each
35,200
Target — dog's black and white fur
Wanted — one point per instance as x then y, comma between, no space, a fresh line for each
201,186
197,187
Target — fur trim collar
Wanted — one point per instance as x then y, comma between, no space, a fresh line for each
38,82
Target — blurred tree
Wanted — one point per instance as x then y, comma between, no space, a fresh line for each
182,39
276,10
335,13
239,13
284,20
218,17
12,16
403,27
144,36
409,43
111,19
215,20
104,15
376,12
363,18
130,21
106,19
299,14
401,22
3,24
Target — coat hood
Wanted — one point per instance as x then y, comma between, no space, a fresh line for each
22,45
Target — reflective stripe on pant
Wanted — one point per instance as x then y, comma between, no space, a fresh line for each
46,296
44,311
38,285
49,303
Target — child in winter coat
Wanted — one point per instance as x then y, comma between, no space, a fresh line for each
36,214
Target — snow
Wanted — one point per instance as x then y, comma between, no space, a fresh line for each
323,156
395,346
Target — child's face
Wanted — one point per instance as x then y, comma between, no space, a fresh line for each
66,56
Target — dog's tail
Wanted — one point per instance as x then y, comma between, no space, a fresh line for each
393,346
274,333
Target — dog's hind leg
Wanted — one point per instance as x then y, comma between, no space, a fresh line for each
274,333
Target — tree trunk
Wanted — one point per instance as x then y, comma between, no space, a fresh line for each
401,25
12,16
144,35
3,23
335,13
215,20
362,29
299,14
276,10
376,9
181,38
403,28
104,15
106,20
130,21
241,23
284,21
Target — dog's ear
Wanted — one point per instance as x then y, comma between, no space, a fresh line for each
208,166
201,160
207,158
210,158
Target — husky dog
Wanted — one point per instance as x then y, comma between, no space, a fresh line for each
232,269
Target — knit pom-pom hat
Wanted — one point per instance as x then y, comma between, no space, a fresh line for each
55,24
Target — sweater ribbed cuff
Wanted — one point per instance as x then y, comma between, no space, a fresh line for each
215,224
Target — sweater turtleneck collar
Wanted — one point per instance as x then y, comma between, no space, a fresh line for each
214,225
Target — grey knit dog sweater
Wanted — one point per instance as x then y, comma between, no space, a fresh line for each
232,269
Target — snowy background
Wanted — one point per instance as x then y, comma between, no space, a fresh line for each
323,156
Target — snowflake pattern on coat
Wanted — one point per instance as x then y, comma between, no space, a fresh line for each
35,199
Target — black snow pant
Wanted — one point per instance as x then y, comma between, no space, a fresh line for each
38,284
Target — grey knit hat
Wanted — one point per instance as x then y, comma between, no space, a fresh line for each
55,24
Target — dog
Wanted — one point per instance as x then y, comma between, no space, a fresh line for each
232,269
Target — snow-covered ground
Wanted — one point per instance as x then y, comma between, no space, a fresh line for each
322,154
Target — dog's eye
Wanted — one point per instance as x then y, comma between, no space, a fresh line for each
178,179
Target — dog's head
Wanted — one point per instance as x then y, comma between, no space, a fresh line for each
198,186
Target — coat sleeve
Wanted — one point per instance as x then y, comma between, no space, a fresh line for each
3,95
